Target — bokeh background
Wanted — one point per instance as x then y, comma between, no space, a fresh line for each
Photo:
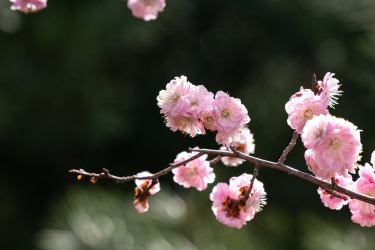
78,88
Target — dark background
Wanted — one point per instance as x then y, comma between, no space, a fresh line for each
78,88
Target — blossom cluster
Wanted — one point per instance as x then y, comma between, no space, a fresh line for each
145,188
192,109
146,9
227,205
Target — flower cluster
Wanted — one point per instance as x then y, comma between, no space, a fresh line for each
245,145
196,173
306,104
228,206
145,188
364,213
333,146
191,109
28,5
146,9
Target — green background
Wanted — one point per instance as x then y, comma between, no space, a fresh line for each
78,88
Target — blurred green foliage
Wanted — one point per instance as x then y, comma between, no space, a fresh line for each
78,87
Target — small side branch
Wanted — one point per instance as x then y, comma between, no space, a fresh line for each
336,194
215,160
289,148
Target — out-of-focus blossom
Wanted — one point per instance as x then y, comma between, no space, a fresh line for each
186,123
172,101
146,9
28,5
225,196
329,89
143,190
207,117
334,202
373,158
196,173
230,114
304,108
245,145
199,98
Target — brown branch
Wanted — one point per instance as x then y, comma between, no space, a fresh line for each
336,194
106,175
215,160
291,171
313,83
289,148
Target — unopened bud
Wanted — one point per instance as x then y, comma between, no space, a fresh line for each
79,177
94,180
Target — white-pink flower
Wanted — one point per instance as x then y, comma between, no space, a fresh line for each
340,148
146,9
333,202
143,190
225,196
228,139
373,158
196,173
245,145
173,101
316,130
199,98
329,89
28,5
187,123
207,117
303,108
230,114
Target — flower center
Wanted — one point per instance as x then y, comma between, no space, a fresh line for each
308,114
149,2
195,102
173,98
225,114
335,144
190,173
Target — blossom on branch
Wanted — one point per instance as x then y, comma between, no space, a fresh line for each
196,173
187,123
226,206
245,145
328,89
28,5
206,115
146,9
330,200
145,188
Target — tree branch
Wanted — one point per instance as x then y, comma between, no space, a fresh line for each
291,171
215,160
289,148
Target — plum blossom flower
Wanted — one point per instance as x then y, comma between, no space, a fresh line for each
186,123
196,173
145,188
316,130
206,115
303,108
199,98
225,196
230,114
300,93
172,101
340,148
28,5
228,139
334,202
329,89
146,9
364,213
245,145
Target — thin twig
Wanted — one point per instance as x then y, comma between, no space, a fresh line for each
106,175
289,148
313,83
336,194
215,160
291,171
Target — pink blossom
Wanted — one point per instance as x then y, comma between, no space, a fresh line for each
300,93
233,137
334,202
230,114
199,98
340,148
301,109
313,167
172,101
316,130
187,123
28,5
207,117
146,9
225,196
329,89
143,190
245,145
196,173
